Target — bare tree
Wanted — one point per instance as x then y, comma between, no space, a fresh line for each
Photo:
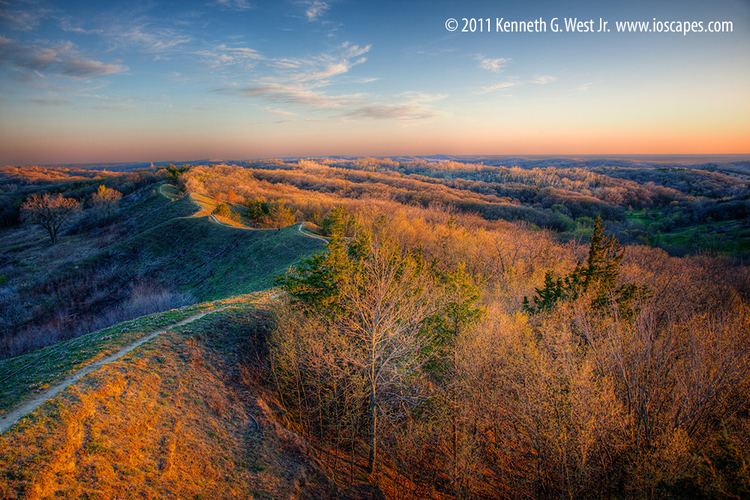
106,198
49,211
384,317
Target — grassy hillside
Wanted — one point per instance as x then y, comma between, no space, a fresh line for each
212,261
152,254
21,376
180,416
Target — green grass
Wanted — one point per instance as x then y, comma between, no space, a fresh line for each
731,237
36,370
22,375
213,261
189,254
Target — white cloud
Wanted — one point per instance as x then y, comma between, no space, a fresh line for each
234,4
492,64
412,106
543,80
280,112
153,40
67,24
22,20
299,94
224,55
315,9
496,87
63,59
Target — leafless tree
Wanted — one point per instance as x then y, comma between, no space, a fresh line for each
49,211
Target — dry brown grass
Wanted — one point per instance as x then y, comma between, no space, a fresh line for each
171,419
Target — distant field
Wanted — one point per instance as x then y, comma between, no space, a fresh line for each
730,237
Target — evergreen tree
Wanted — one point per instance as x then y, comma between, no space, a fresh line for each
598,277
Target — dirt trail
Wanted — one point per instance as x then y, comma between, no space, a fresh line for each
203,212
311,235
10,418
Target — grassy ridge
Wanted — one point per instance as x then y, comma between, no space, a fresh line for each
212,261
21,375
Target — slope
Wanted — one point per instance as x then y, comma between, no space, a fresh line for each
179,416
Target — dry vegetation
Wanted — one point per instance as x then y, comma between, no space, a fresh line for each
180,417
407,350
469,332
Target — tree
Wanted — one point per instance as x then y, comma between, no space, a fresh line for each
49,211
106,198
377,296
598,277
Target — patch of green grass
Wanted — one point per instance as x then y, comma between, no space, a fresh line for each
212,261
22,375
730,237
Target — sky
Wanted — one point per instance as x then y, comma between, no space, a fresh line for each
93,81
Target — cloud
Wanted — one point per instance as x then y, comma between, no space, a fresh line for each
63,59
49,101
492,64
315,9
302,81
543,80
327,66
391,112
223,55
298,94
496,87
414,106
68,25
22,20
280,112
234,4
585,87
153,40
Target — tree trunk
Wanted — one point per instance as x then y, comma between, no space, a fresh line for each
372,459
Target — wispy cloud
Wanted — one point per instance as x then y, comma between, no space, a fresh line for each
496,87
234,4
224,55
280,112
63,59
49,101
492,64
22,20
299,94
68,25
153,40
413,106
315,9
543,80
303,81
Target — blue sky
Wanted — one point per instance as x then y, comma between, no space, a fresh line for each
118,81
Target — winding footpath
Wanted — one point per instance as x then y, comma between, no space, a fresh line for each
26,407
9,419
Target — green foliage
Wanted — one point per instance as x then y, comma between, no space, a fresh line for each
338,221
598,278
257,209
223,210
270,214
174,173
460,311
317,282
